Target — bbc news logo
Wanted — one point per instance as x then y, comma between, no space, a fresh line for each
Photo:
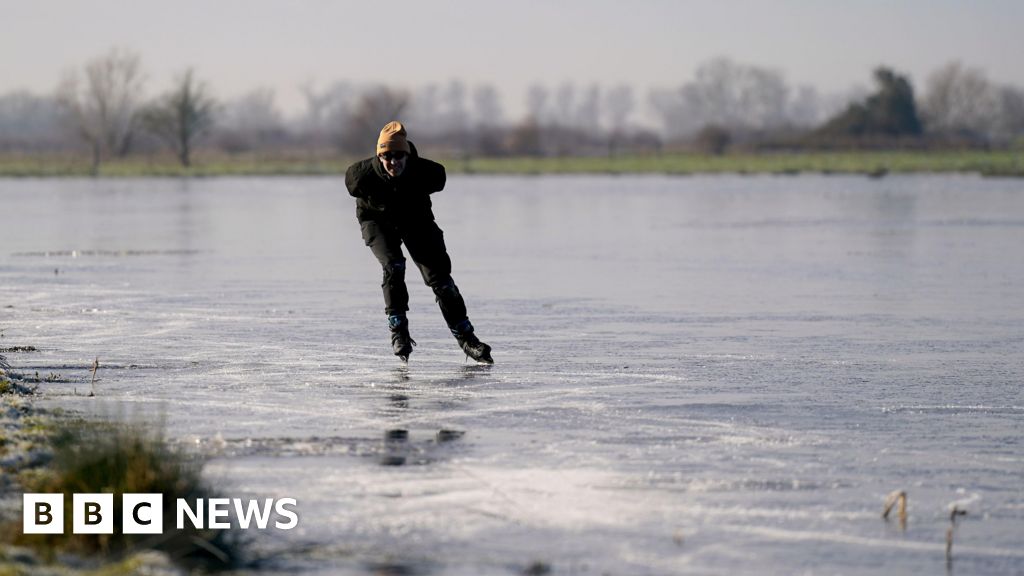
144,513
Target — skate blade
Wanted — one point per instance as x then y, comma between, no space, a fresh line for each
481,360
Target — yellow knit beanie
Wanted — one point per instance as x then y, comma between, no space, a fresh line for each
392,138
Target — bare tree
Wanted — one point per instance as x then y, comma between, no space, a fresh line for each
327,111
805,108
618,105
763,98
488,120
737,95
181,116
487,106
375,108
588,111
565,100
1011,113
727,95
537,103
454,117
103,107
960,99
255,111
559,130
424,111
250,122
668,106
317,105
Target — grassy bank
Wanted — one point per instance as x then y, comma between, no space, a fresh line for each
56,452
999,163
870,163
242,165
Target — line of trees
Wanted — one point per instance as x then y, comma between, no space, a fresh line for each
102,107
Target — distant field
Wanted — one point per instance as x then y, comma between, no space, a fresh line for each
1002,163
989,163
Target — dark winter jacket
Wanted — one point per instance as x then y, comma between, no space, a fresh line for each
402,200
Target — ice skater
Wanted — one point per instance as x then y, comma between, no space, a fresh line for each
392,191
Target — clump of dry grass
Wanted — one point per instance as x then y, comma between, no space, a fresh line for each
100,457
9,382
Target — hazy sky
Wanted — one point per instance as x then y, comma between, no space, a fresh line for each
240,45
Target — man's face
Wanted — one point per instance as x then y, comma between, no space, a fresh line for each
393,162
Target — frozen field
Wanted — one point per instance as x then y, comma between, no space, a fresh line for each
695,375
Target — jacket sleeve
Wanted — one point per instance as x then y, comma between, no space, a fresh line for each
433,176
352,180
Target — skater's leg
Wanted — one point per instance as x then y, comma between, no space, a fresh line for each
386,244
396,294
451,303
427,249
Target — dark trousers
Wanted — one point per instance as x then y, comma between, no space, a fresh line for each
425,243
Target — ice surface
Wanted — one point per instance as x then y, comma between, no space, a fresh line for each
693,375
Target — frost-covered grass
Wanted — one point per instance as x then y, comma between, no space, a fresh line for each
56,453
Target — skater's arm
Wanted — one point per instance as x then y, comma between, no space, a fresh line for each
354,177
433,176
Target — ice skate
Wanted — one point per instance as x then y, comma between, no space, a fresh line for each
474,348
401,342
